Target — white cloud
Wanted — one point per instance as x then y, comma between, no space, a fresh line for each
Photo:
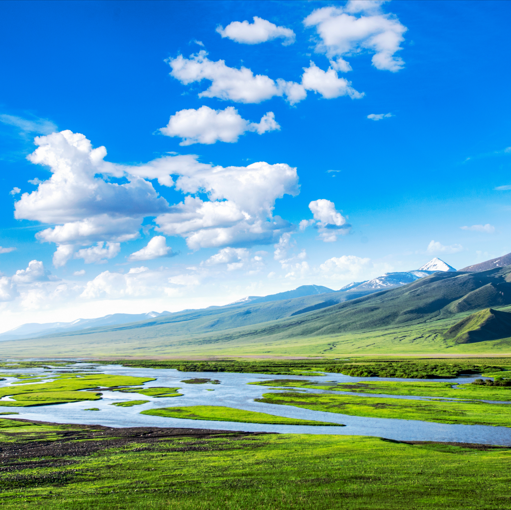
327,83
27,126
345,267
257,32
233,258
282,247
139,282
324,211
98,254
359,27
240,210
6,250
35,272
329,221
88,205
488,229
14,191
156,248
8,290
436,247
379,116
208,126
305,223
81,272
228,83
84,205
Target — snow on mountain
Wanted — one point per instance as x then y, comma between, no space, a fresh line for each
435,265
389,280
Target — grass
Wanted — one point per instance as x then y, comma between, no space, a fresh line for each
97,468
130,403
220,413
466,413
66,388
409,388
153,392
93,409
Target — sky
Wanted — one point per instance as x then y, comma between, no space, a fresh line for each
174,155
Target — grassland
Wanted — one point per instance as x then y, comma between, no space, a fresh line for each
462,412
415,388
157,392
130,403
221,413
84,468
65,388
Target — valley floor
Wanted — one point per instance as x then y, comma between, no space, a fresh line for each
92,467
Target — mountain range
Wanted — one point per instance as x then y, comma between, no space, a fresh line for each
438,311
352,291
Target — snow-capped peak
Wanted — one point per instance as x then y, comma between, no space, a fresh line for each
436,264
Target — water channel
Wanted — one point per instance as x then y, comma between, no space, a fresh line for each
234,391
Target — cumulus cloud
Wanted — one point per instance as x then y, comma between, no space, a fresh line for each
78,197
327,83
29,126
437,247
35,272
81,272
257,32
208,126
240,210
14,191
156,248
8,290
98,254
89,205
282,247
6,250
229,83
345,267
488,229
379,116
328,220
359,27
233,258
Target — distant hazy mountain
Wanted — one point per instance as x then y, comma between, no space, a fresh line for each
428,312
241,313
505,260
34,330
304,290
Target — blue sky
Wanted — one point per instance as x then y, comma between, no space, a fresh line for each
380,129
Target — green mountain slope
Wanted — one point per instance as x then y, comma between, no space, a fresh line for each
481,326
412,318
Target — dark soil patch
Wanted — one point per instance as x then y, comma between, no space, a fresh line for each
84,440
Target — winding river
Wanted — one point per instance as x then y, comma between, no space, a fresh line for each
234,391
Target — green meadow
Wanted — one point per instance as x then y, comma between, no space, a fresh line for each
221,413
462,412
65,388
412,388
66,467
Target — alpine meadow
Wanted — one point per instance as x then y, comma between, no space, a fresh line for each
255,255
